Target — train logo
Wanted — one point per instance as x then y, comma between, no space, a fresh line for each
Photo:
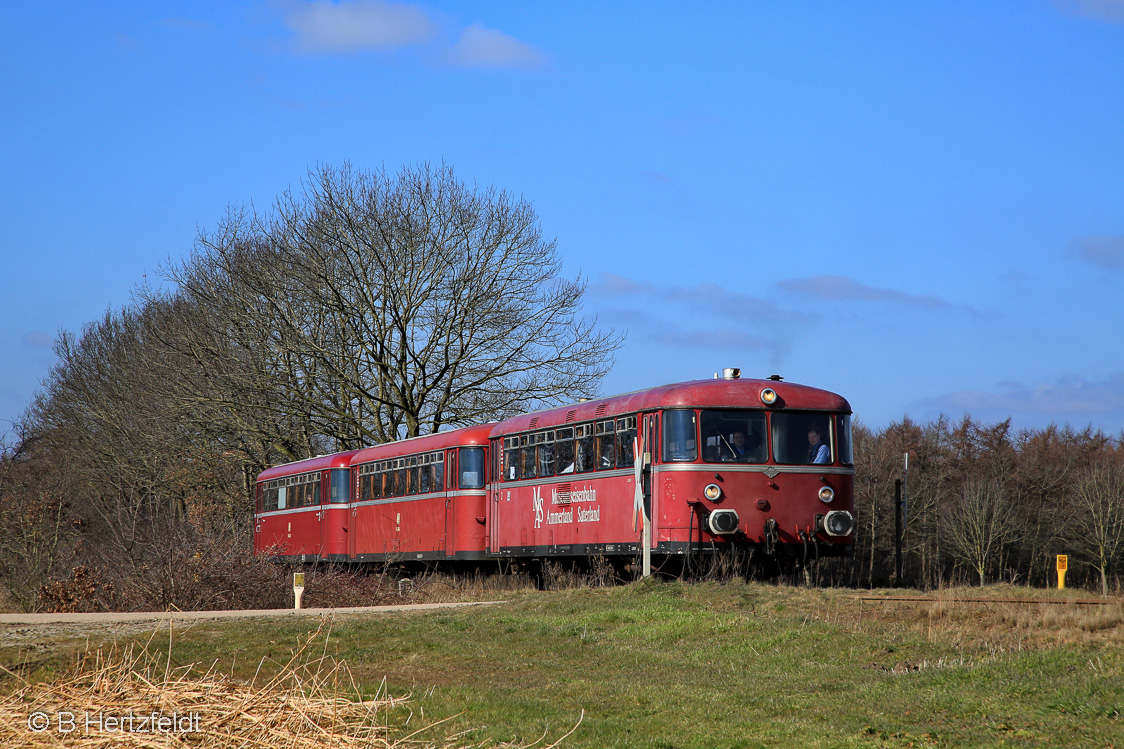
536,503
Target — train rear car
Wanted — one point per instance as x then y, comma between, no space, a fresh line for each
302,509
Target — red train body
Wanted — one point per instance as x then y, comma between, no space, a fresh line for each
722,463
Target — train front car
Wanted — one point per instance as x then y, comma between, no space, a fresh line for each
724,463
301,509
758,463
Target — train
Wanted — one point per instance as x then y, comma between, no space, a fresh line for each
677,472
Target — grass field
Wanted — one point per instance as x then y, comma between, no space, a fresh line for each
668,664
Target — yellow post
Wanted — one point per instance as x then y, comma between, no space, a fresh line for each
298,589
1063,562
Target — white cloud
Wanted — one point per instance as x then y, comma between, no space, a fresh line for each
1102,10
699,298
1071,398
481,47
37,339
326,26
842,288
719,339
1107,252
679,316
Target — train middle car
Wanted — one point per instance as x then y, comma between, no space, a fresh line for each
420,499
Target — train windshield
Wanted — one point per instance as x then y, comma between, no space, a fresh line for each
846,454
679,436
472,468
340,484
734,437
803,438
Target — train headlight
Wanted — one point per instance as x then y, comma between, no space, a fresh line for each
722,522
768,396
826,494
839,523
712,492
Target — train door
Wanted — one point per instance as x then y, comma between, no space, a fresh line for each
451,487
352,511
322,511
649,445
258,545
493,514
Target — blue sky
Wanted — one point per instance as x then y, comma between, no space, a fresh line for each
919,206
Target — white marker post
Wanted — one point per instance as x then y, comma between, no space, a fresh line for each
298,589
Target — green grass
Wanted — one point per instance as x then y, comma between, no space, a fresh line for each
665,664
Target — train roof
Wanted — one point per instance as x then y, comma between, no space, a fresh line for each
716,393
319,463
465,436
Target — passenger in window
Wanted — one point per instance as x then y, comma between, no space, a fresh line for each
818,452
585,455
744,449
564,454
608,452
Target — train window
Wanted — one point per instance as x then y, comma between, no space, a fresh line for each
801,438
626,436
586,457
846,454
606,444
282,495
390,484
401,486
527,468
680,441
546,456
425,479
511,458
438,477
734,437
564,450
337,486
472,468
412,475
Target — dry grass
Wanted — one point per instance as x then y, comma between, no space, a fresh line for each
134,698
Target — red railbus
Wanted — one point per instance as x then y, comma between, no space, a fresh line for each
727,462
721,464
303,507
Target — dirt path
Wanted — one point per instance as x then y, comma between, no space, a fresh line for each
18,629
136,616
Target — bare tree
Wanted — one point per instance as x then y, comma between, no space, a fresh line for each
979,524
385,306
1098,525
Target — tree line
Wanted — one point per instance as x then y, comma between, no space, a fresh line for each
986,503
361,308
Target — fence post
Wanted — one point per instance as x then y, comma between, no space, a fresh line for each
897,533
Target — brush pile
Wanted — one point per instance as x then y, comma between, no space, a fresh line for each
135,698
